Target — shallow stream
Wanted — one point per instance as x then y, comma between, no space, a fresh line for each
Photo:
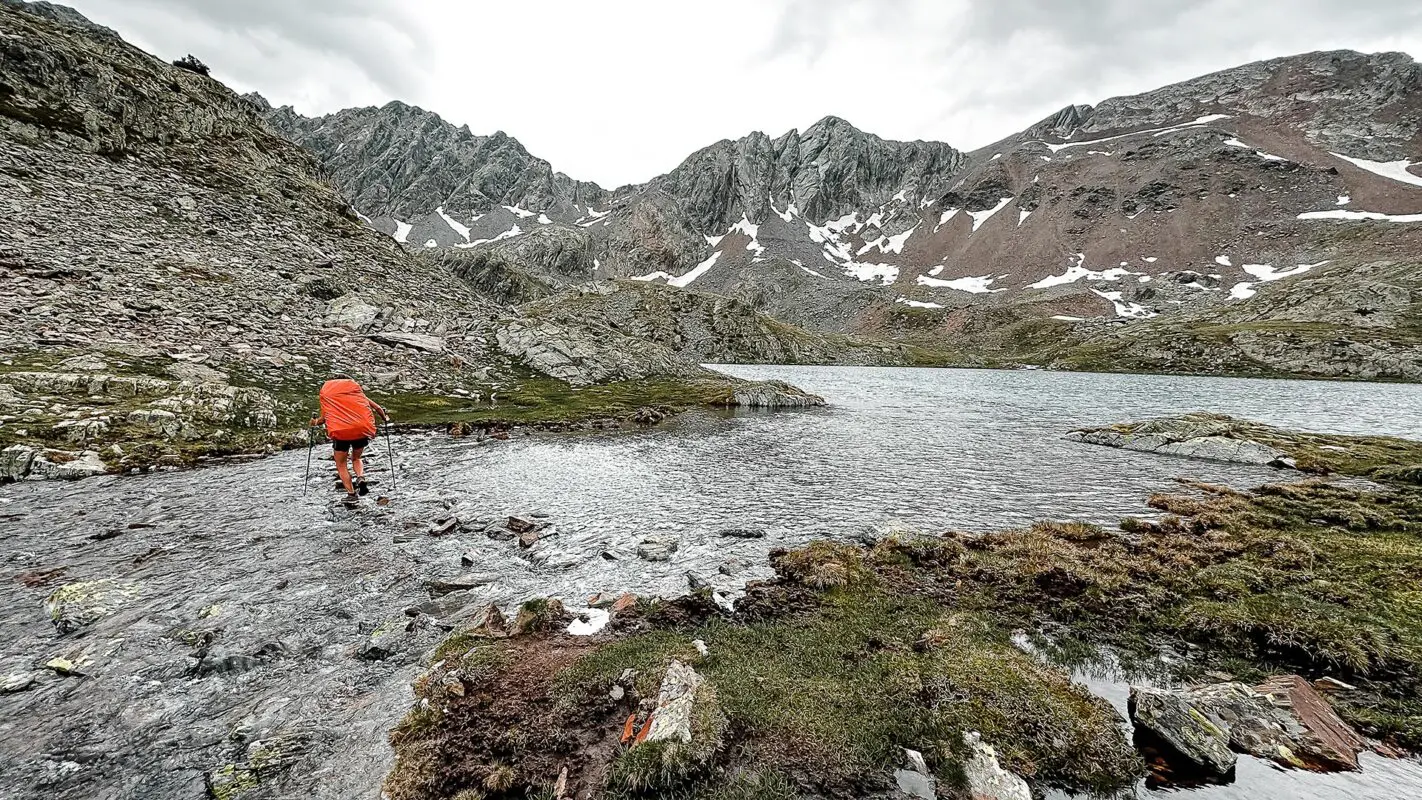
251,600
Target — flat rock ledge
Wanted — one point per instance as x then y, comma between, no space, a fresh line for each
1211,437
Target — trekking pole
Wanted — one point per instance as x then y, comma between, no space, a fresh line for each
390,451
310,445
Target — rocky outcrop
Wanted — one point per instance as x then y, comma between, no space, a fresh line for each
403,162
1284,720
709,328
1186,734
1207,436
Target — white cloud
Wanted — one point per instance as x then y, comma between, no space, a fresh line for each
620,91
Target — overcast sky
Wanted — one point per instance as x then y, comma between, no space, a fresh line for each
618,91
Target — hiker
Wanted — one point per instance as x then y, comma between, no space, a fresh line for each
349,417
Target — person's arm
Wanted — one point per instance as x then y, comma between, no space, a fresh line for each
378,409
318,420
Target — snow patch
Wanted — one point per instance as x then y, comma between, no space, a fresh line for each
1392,170
995,157
902,196
462,230
518,212
1055,148
651,276
944,217
889,244
1077,272
1344,199
936,271
1223,261
752,230
508,234
1242,291
589,621
1264,272
544,220
1150,259
432,244
1022,216
978,285
1125,308
402,231
1339,213
1064,318
917,303
979,217
885,273
696,272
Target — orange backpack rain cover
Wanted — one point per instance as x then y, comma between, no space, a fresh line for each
346,410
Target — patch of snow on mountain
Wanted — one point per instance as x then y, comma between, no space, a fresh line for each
508,234
1236,143
978,285
1393,170
885,273
1242,291
979,217
1077,272
809,271
1097,153
696,272
432,244
597,265
544,220
651,276
917,303
1065,318
462,230
518,212
995,157
902,196
1125,308
1339,213
944,217
1223,261
752,230
1055,148
1264,272
1022,216
790,212
936,270
402,231
714,241
1150,259
1344,199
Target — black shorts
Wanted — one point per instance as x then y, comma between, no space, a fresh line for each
342,445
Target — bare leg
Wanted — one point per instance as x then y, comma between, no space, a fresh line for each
344,472
358,462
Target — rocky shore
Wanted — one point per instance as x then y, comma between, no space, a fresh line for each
891,668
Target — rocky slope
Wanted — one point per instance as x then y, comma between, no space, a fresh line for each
1186,204
178,278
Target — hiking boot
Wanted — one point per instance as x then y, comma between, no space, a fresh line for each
361,487
351,499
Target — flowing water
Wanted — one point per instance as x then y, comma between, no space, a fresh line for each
250,601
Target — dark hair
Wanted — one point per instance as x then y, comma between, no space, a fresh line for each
341,376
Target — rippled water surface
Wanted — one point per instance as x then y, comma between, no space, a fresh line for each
289,587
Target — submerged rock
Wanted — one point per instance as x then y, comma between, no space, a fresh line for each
1186,734
78,605
658,548
1323,741
1284,720
1205,436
